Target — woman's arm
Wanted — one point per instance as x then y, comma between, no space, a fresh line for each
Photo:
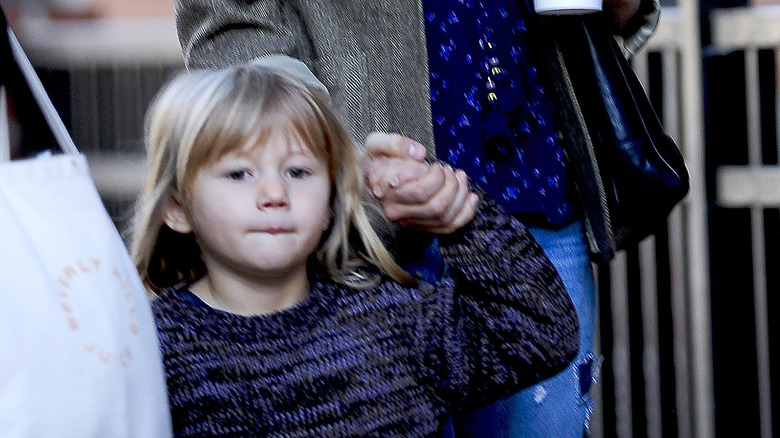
218,33
635,21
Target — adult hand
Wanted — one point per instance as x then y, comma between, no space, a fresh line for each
433,198
622,11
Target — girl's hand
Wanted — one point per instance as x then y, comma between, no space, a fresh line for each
412,193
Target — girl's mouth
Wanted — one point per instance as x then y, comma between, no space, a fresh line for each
276,230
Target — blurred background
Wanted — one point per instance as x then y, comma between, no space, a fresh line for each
689,348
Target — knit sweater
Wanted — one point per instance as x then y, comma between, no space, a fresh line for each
390,360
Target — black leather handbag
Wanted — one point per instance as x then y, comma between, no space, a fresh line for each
641,167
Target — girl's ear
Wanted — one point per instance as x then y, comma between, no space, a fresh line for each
176,217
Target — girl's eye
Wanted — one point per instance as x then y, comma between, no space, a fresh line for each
298,172
238,174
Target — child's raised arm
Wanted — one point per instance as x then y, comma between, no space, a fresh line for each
507,323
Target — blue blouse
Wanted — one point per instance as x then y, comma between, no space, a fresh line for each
491,116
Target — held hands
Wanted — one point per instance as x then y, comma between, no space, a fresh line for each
433,198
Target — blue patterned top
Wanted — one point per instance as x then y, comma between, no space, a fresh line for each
491,116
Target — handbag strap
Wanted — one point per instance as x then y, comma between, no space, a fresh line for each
14,54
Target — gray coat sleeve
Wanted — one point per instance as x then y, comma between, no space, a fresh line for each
217,33
371,56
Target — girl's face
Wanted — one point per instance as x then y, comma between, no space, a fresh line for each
260,212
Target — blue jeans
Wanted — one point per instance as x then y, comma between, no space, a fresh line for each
558,407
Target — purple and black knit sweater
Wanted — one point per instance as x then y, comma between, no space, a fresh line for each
387,361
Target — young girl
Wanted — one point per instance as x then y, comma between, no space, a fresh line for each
280,310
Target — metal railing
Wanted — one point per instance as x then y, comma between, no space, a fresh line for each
654,298
114,67
755,185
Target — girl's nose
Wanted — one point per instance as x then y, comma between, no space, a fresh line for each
272,193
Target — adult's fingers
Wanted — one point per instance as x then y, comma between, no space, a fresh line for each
393,145
423,189
465,215
449,210
463,209
384,174
456,203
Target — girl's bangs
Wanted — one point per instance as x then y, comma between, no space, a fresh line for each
298,116
249,118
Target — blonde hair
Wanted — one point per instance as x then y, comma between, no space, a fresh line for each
202,115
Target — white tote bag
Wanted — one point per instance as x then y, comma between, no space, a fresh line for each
78,349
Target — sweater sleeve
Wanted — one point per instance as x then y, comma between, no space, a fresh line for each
502,320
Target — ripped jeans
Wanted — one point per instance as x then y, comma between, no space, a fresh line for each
558,407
